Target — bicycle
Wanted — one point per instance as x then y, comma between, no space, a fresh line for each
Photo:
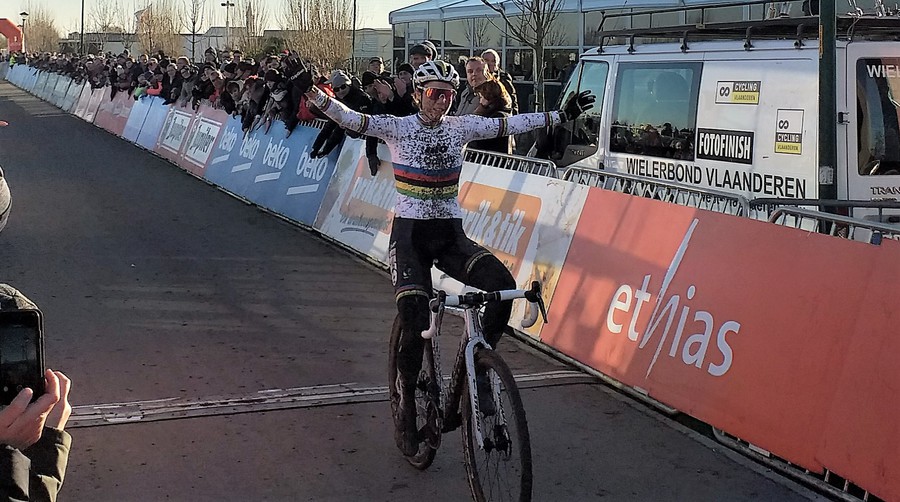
500,440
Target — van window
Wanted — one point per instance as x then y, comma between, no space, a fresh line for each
655,112
878,111
577,140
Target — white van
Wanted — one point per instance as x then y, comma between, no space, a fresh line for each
735,108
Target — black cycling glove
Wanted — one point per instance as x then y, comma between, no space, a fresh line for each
576,105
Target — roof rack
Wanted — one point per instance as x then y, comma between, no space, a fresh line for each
881,27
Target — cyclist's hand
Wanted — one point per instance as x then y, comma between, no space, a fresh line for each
303,76
578,104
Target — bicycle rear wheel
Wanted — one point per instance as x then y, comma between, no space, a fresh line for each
427,400
502,469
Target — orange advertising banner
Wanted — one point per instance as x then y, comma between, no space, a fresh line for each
781,337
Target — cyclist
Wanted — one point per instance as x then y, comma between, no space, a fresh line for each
426,152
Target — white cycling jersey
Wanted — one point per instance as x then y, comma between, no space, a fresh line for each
427,160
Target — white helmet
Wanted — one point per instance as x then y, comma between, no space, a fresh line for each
440,71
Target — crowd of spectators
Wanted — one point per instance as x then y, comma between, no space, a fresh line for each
261,92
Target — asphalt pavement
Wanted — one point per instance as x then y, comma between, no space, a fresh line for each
220,353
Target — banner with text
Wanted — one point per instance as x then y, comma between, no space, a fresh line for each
679,302
358,208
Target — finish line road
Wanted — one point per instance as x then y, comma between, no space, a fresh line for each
220,353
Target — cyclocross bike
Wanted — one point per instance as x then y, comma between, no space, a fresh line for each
496,443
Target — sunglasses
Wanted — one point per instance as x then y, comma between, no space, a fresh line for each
341,87
435,94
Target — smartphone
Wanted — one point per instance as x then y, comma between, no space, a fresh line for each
21,353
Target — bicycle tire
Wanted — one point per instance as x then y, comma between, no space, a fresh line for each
425,385
482,481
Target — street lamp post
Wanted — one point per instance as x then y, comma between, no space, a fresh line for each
228,5
82,28
24,17
353,67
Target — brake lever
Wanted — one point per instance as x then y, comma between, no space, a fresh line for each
534,296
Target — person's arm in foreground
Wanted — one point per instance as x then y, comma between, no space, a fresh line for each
33,458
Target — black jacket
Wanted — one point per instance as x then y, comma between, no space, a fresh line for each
39,471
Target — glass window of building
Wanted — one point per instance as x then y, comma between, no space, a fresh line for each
559,63
400,35
564,31
416,33
436,34
456,34
519,63
487,33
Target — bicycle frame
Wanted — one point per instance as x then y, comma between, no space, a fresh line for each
450,398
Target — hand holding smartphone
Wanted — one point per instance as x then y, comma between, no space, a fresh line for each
21,353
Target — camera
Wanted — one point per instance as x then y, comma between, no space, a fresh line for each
21,353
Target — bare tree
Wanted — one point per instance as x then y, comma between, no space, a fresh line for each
532,26
195,14
320,30
103,19
127,18
157,27
41,32
253,17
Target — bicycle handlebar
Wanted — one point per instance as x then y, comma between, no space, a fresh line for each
477,298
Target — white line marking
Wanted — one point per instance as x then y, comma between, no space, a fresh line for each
303,189
241,167
267,177
264,400
220,158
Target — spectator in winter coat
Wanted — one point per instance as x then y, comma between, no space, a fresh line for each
188,81
171,84
493,102
492,60
467,100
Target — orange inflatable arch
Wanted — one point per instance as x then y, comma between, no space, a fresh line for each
12,33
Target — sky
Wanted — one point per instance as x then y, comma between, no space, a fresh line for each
370,13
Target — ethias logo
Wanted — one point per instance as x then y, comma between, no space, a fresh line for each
696,327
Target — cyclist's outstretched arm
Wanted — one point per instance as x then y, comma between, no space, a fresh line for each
484,128
379,126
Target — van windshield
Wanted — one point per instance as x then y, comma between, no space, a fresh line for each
878,109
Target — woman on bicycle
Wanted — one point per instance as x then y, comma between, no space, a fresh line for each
427,156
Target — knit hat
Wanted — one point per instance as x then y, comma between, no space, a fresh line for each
421,50
405,67
273,76
339,78
368,78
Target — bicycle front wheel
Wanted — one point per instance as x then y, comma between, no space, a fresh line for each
501,469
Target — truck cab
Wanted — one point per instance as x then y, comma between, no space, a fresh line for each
734,107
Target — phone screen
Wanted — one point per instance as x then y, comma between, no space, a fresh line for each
20,355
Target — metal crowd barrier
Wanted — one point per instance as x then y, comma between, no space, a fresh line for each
528,165
835,225
667,191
